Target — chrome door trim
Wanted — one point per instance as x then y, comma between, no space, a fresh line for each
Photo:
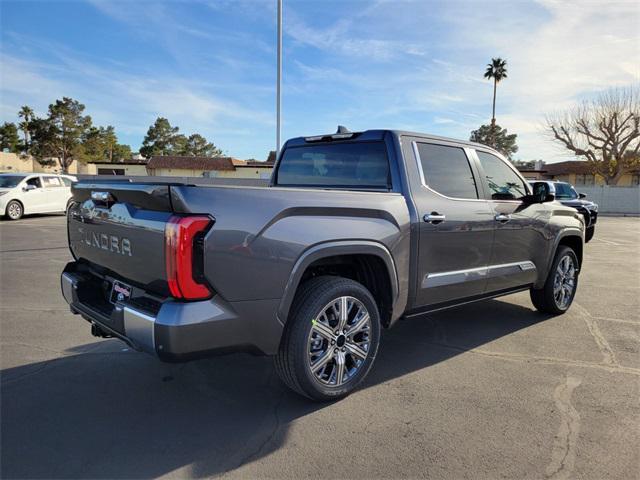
441,279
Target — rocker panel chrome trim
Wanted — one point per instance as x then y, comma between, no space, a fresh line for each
441,279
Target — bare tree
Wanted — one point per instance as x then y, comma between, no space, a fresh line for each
605,131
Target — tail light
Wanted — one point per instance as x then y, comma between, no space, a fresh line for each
182,253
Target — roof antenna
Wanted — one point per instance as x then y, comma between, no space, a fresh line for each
343,129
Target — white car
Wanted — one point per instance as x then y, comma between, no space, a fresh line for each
26,193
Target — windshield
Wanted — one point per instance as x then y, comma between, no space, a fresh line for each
341,165
10,181
565,191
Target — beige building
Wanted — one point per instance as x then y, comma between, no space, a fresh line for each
12,162
221,167
162,166
132,168
576,173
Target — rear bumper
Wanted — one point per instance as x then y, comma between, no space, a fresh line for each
183,331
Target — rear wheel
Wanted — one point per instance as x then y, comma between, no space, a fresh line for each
331,338
560,287
14,210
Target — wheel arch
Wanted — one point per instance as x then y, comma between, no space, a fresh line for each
574,242
367,262
572,238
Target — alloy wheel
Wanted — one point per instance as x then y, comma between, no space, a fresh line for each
564,282
339,341
14,211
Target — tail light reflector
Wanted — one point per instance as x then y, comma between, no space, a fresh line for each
180,237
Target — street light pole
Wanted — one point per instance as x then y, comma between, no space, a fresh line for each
279,78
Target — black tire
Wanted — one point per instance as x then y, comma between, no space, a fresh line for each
544,299
14,210
588,234
293,362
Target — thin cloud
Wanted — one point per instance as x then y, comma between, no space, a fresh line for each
210,66
341,38
129,102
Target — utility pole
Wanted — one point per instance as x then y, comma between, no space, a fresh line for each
279,79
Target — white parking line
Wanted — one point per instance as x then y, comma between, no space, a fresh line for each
609,242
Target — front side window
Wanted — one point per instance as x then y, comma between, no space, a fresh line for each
35,181
10,181
342,165
503,182
447,170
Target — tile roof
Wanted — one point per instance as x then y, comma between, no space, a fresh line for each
191,163
571,166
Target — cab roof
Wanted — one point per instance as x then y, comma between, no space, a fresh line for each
376,134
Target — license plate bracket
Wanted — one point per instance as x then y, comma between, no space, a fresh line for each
120,292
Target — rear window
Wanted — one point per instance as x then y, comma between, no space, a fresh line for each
341,165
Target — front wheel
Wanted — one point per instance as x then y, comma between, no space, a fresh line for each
560,287
14,210
330,340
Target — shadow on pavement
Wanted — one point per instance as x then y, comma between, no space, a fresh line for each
101,412
31,216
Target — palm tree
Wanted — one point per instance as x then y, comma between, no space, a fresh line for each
497,70
26,113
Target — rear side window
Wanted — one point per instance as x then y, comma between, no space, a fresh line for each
503,182
447,170
67,181
52,182
341,165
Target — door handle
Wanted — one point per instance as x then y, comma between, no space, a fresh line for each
502,218
434,218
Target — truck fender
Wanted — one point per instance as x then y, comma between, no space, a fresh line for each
567,232
331,249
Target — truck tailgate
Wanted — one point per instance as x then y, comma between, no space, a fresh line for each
119,228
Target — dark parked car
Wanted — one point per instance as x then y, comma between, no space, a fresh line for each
355,232
566,194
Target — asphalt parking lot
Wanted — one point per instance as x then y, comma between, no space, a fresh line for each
491,390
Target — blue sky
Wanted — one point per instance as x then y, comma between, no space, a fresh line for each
209,67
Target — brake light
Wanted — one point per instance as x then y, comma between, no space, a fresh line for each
180,236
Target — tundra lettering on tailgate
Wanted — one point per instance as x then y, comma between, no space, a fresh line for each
110,243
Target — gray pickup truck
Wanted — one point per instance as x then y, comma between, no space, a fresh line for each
355,232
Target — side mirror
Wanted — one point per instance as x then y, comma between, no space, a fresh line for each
26,188
541,193
582,195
